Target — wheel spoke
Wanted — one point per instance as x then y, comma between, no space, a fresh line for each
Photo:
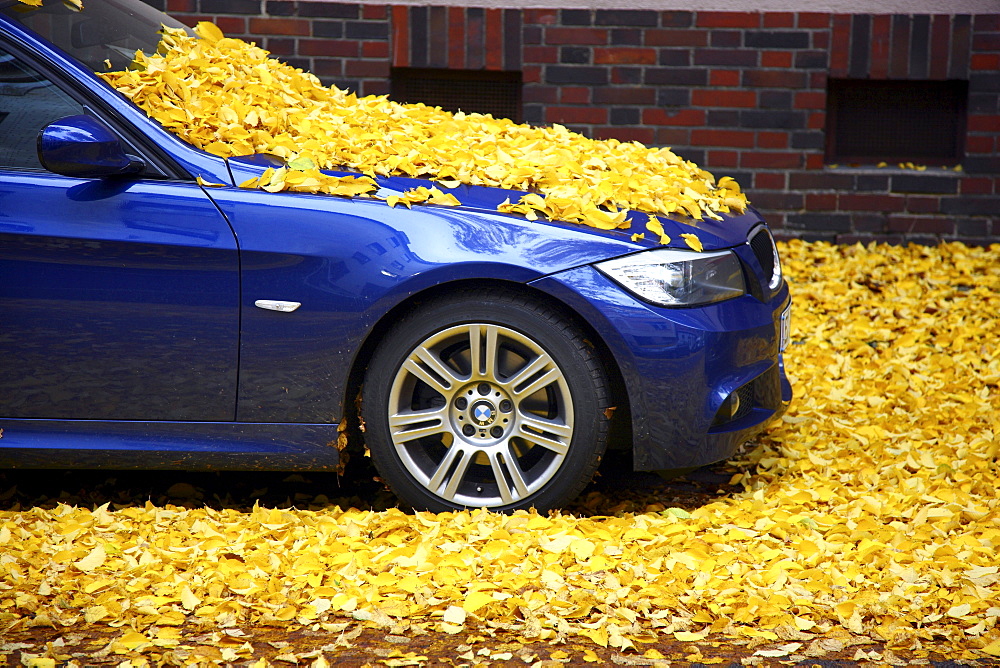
547,378
483,350
528,370
551,435
464,458
507,462
423,364
401,424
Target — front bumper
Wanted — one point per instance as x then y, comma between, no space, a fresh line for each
700,381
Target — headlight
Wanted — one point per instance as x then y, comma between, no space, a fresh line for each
670,277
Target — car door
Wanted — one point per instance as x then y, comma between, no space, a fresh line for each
119,297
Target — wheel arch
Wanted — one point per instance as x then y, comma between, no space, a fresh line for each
620,436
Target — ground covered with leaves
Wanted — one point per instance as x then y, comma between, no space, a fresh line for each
868,514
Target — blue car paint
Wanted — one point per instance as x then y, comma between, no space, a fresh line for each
678,365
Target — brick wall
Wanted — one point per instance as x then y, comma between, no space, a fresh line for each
741,93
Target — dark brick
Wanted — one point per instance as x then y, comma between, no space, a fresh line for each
157,4
575,17
618,95
924,183
694,155
971,206
788,120
626,75
811,60
723,118
676,19
864,221
626,37
533,114
591,76
725,57
820,181
328,10
725,38
673,97
279,8
774,78
575,55
810,140
872,183
230,7
301,63
920,46
675,57
531,35
971,227
984,82
788,201
982,165
675,76
775,99
328,29
827,222
861,31
626,17
624,116
367,30
776,39
984,103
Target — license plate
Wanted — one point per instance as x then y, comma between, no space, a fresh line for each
786,327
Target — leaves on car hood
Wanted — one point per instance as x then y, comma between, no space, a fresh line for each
870,510
230,98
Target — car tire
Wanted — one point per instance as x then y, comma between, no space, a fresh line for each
485,399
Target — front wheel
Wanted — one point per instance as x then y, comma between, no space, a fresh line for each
485,400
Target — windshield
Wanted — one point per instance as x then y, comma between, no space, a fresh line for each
104,30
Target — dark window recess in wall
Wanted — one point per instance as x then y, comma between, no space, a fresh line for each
471,91
896,121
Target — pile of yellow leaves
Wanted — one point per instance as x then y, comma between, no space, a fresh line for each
870,509
230,98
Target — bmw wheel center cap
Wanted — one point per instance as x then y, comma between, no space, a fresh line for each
484,413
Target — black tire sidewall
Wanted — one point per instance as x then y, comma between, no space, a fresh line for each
558,337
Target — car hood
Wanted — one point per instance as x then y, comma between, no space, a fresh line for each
730,231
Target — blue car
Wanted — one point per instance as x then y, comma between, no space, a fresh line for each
148,321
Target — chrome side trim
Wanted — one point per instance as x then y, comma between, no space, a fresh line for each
276,305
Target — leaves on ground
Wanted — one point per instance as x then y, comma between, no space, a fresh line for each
869,511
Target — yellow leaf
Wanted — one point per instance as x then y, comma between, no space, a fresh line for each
692,241
208,31
475,600
93,560
454,615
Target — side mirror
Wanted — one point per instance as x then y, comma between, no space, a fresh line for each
83,147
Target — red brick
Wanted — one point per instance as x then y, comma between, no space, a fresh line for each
727,138
770,160
722,159
985,61
343,48
814,161
821,202
817,120
723,98
576,115
821,40
987,22
281,26
682,117
624,56
881,23
776,59
940,45
779,20
400,36
232,26
574,95
456,38
379,49
180,6
617,95
641,135
375,12
810,100
767,139
840,43
531,74
817,80
769,181
367,68
728,20
494,39
673,137
577,36
976,186
918,204
545,17
541,54
724,78
984,123
814,20
675,37
979,143
862,202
